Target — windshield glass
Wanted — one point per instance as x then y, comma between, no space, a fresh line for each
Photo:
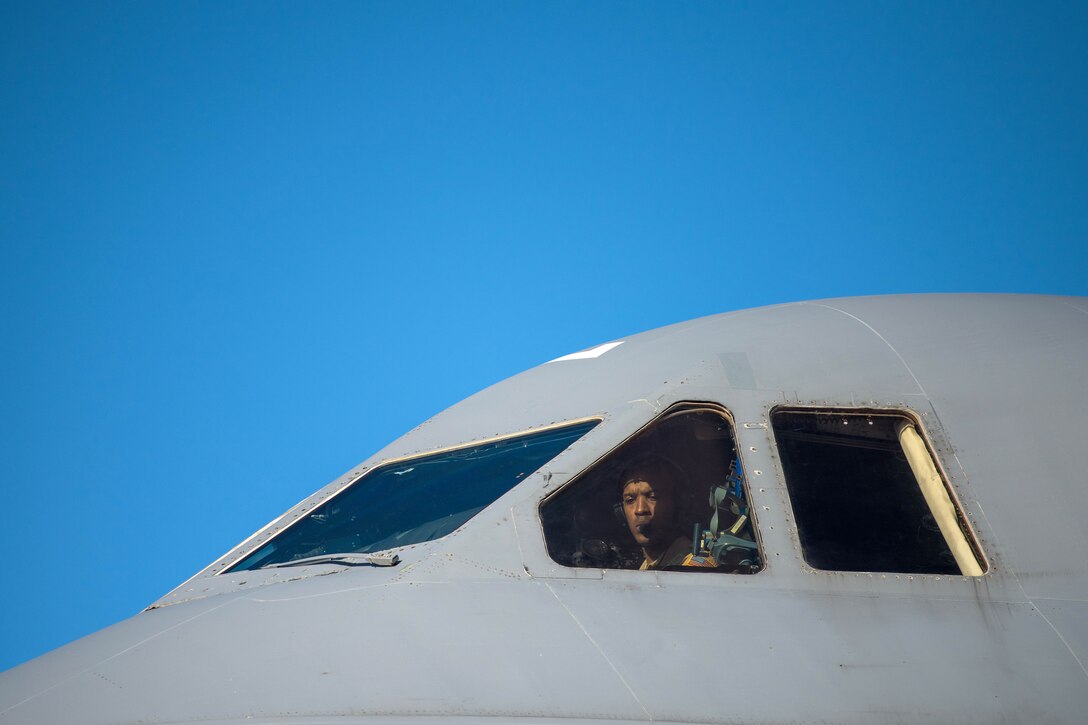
415,500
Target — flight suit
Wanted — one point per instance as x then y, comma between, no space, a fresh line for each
673,556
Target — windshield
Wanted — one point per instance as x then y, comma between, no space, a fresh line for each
415,500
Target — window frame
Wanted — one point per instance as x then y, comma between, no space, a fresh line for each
675,409
965,528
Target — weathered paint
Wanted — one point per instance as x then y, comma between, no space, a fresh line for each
483,624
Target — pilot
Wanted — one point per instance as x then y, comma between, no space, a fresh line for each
651,494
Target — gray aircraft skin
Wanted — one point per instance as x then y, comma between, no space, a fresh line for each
484,623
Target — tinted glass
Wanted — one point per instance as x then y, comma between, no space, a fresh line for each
857,503
416,500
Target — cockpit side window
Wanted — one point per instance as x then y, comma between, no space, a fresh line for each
867,495
415,500
671,498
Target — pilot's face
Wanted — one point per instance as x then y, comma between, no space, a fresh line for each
648,510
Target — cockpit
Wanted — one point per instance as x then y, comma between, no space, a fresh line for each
709,524
864,487
688,459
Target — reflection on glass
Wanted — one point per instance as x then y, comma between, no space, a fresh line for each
417,500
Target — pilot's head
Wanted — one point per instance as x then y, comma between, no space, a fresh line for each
650,496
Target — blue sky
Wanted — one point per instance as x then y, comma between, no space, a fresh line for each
246,245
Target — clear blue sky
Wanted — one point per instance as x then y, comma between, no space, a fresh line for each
243,246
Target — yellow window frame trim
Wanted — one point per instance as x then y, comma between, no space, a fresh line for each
937,498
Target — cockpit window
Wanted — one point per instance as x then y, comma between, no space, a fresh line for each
672,498
416,500
867,495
